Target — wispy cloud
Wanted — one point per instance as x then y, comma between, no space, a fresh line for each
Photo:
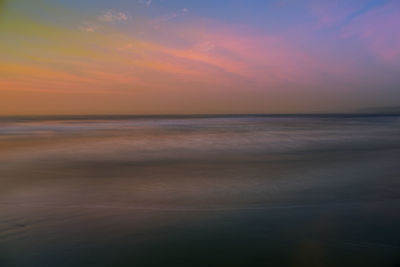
87,29
331,13
378,31
206,46
113,16
146,2
338,50
157,22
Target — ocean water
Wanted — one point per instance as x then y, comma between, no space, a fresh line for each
200,191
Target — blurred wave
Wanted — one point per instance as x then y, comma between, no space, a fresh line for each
74,185
159,137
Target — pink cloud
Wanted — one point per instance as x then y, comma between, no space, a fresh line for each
331,13
223,56
113,16
378,30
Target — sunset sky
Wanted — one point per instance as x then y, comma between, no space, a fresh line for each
208,56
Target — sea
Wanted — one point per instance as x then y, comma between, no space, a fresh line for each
200,190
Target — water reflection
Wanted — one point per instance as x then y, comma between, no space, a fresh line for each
193,191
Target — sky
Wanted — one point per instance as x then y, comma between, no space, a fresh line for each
198,57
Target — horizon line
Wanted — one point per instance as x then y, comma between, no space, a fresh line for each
358,114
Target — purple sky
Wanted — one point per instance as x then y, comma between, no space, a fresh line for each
175,56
